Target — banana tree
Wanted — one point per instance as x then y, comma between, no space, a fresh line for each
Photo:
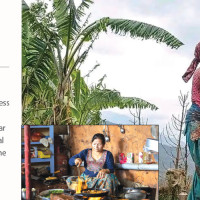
56,44
88,102
85,104
74,34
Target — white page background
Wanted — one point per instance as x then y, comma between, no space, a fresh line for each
10,90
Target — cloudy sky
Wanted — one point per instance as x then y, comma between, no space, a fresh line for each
145,69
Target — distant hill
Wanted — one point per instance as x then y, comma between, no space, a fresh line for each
115,118
107,123
165,161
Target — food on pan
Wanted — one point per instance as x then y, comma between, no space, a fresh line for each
51,178
54,192
61,197
93,191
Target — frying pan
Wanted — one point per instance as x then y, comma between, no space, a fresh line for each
52,179
103,193
80,197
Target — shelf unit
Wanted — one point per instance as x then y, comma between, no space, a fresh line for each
51,147
137,166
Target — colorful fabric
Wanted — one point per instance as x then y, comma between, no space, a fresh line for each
195,135
95,165
192,124
196,87
191,69
108,164
193,114
110,182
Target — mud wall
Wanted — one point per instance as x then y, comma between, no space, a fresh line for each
132,140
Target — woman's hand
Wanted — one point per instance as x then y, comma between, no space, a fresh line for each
78,162
102,173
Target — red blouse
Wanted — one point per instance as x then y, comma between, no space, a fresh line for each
196,87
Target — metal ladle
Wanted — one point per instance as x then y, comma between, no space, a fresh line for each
107,138
78,171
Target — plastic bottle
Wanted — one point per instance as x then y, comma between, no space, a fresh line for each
145,155
140,157
148,159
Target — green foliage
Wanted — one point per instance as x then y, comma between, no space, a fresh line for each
167,193
99,97
144,31
53,91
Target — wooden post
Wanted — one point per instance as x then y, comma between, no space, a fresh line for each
27,161
157,192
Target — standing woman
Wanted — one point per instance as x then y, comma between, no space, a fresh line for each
99,165
192,129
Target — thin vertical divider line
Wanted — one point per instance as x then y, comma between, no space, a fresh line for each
4,67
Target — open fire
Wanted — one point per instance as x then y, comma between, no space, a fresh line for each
82,185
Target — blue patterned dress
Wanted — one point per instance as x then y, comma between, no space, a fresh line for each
92,168
191,129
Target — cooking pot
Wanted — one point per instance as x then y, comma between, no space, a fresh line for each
33,193
64,178
135,194
73,183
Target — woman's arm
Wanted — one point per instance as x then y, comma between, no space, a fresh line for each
109,165
82,155
110,162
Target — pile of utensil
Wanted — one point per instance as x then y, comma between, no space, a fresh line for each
136,193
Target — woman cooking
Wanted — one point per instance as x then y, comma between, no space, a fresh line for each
99,165
192,129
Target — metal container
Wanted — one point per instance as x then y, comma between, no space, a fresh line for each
135,194
64,178
73,183
33,194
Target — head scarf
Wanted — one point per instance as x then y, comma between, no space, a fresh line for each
191,69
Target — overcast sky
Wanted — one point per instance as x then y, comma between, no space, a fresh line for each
145,69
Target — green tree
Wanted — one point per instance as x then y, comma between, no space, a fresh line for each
47,73
89,101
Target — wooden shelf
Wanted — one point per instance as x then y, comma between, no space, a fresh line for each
50,147
137,166
35,160
32,143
